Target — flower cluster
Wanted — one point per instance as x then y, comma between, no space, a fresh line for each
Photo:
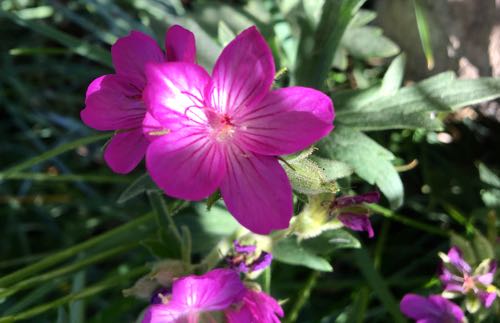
219,295
200,132
458,279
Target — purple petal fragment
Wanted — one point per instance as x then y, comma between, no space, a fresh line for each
180,45
245,249
371,197
432,309
357,222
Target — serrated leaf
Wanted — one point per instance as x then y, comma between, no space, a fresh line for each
332,240
369,160
139,186
368,42
289,251
414,106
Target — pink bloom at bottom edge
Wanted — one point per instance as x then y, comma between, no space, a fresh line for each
432,309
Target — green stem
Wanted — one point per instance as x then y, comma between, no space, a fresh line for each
303,296
71,251
30,282
52,153
410,222
186,248
88,292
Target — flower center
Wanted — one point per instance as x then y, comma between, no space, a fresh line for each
468,283
222,126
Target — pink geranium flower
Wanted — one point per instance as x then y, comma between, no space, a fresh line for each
216,296
228,128
114,101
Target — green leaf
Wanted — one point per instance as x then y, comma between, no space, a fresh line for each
482,247
290,251
369,160
363,17
307,177
317,46
393,77
224,33
333,169
424,32
465,246
414,106
139,186
368,42
488,176
332,240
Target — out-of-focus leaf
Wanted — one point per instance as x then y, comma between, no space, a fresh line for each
141,185
491,197
369,160
363,17
290,251
224,33
317,49
332,240
465,246
76,45
482,247
488,176
368,42
62,315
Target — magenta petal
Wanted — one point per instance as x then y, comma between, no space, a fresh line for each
357,222
151,128
113,104
257,191
185,164
180,45
243,73
125,151
245,249
257,307
456,260
416,307
174,94
370,197
449,311
285,121
161,313
131,54
214,291
487,298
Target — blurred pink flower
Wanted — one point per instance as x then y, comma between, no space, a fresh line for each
228,128
457,276
114,101
246,259
211,297
432,309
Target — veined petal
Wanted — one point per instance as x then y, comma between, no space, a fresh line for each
285,121
214,291
152,129
163,313
256,307
175,94
130,55
257,191
180,45
112,104
125,151
186,164
243,73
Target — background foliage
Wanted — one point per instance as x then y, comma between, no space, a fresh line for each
74,234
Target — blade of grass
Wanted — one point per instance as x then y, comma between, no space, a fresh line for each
52,153
76,45
44,177
423,31
302,297
317,47
145,220
93,290
377,284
